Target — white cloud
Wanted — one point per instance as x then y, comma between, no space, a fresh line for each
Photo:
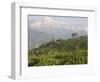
49,23
46,22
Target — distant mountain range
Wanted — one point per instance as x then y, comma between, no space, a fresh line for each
36,37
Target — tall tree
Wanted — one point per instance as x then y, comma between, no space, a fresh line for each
74,35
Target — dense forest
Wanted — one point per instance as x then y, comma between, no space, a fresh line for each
60,52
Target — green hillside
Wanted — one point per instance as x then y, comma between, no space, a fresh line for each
60,52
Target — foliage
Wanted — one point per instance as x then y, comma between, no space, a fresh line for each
74,35
60,52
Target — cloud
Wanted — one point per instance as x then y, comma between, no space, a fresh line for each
45,22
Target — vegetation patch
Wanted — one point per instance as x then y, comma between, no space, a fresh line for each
60,52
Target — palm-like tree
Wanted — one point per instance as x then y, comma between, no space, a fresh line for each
74,35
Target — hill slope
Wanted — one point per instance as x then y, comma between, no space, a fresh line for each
60,52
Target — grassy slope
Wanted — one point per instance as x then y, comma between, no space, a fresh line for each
63,52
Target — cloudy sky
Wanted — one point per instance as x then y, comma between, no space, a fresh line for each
56,22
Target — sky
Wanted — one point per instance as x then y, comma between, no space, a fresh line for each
56,22
44,28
